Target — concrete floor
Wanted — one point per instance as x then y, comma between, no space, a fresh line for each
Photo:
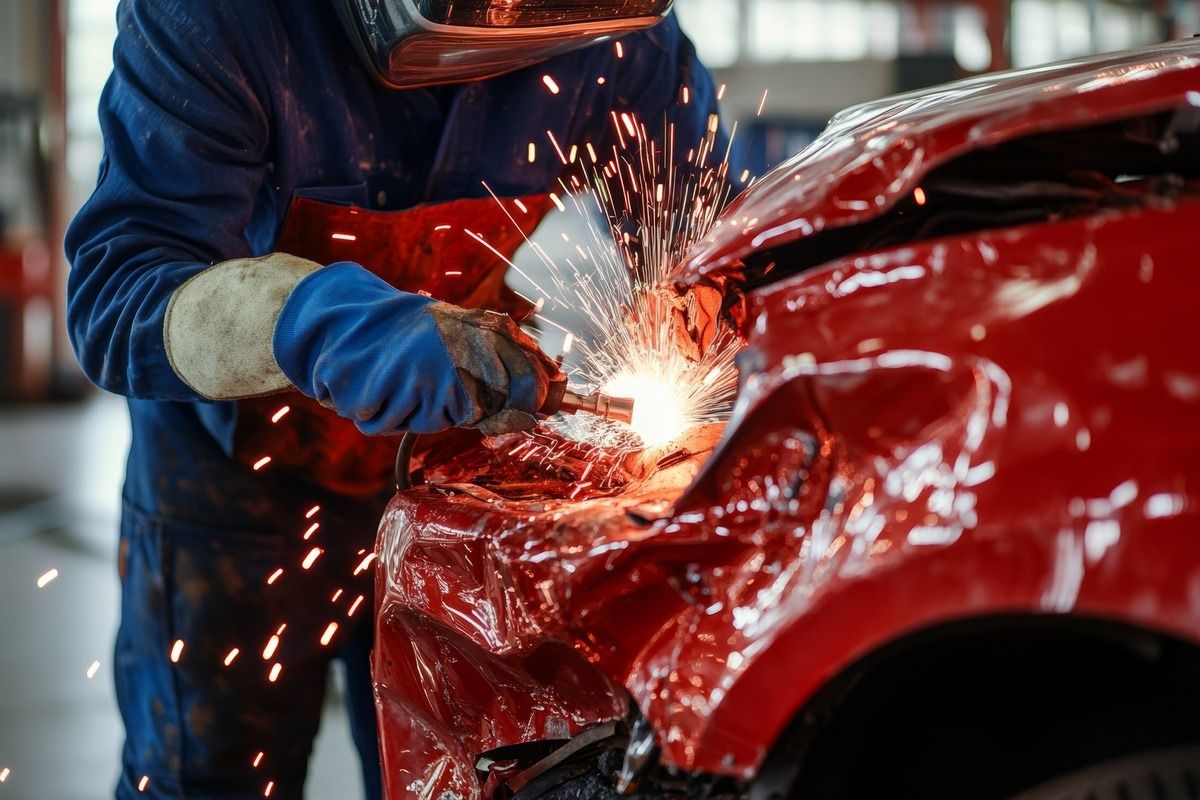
60,735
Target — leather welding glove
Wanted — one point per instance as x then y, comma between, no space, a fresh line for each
391,361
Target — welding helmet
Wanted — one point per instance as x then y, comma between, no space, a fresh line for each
411,43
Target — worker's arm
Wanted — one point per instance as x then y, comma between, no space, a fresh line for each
165,302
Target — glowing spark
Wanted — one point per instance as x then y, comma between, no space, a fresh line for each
4,773
257,759
345,237
280,414
561,156
231,656
442,227
532,152
524,208
312,512
745,175
451,273
46,577
568,343
354,606
176,651
311,558
274,674
327,636
143,783
687,95
270,788
336,595
311,530
279,631
620,50
275,576
262,462
92,669
592,153
721,92
628,122
557,202
919,196
269,650
574,156
550,84
366,562
762,103
579,489
602,80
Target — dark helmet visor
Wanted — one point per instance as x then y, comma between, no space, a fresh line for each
410,43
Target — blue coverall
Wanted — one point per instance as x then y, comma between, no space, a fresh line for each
216,115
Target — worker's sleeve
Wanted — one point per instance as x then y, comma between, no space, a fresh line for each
186,137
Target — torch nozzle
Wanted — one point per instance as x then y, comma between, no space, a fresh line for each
598,404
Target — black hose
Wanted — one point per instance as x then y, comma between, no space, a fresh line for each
403,461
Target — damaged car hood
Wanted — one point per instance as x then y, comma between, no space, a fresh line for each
873,154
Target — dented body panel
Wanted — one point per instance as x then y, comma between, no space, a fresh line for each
996,423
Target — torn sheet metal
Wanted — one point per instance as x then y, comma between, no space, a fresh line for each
993,423
962,441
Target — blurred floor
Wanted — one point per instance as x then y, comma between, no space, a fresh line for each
60,476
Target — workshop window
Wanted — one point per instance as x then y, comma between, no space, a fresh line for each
91,30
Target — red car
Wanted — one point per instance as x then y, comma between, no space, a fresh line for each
946,547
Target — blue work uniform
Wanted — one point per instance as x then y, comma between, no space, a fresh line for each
218,113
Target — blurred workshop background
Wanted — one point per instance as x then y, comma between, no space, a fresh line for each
787,65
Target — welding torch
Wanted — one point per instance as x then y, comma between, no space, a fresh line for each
559,399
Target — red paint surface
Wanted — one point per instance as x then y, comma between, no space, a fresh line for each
1002,422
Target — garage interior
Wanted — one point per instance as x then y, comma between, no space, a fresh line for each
786,66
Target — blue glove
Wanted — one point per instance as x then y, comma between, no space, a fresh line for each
392,361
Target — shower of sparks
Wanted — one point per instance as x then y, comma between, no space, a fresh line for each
92,669
634,341
46,577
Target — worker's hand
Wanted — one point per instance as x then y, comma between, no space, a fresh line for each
503,370
394,361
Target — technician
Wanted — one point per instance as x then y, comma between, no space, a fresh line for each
247,516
